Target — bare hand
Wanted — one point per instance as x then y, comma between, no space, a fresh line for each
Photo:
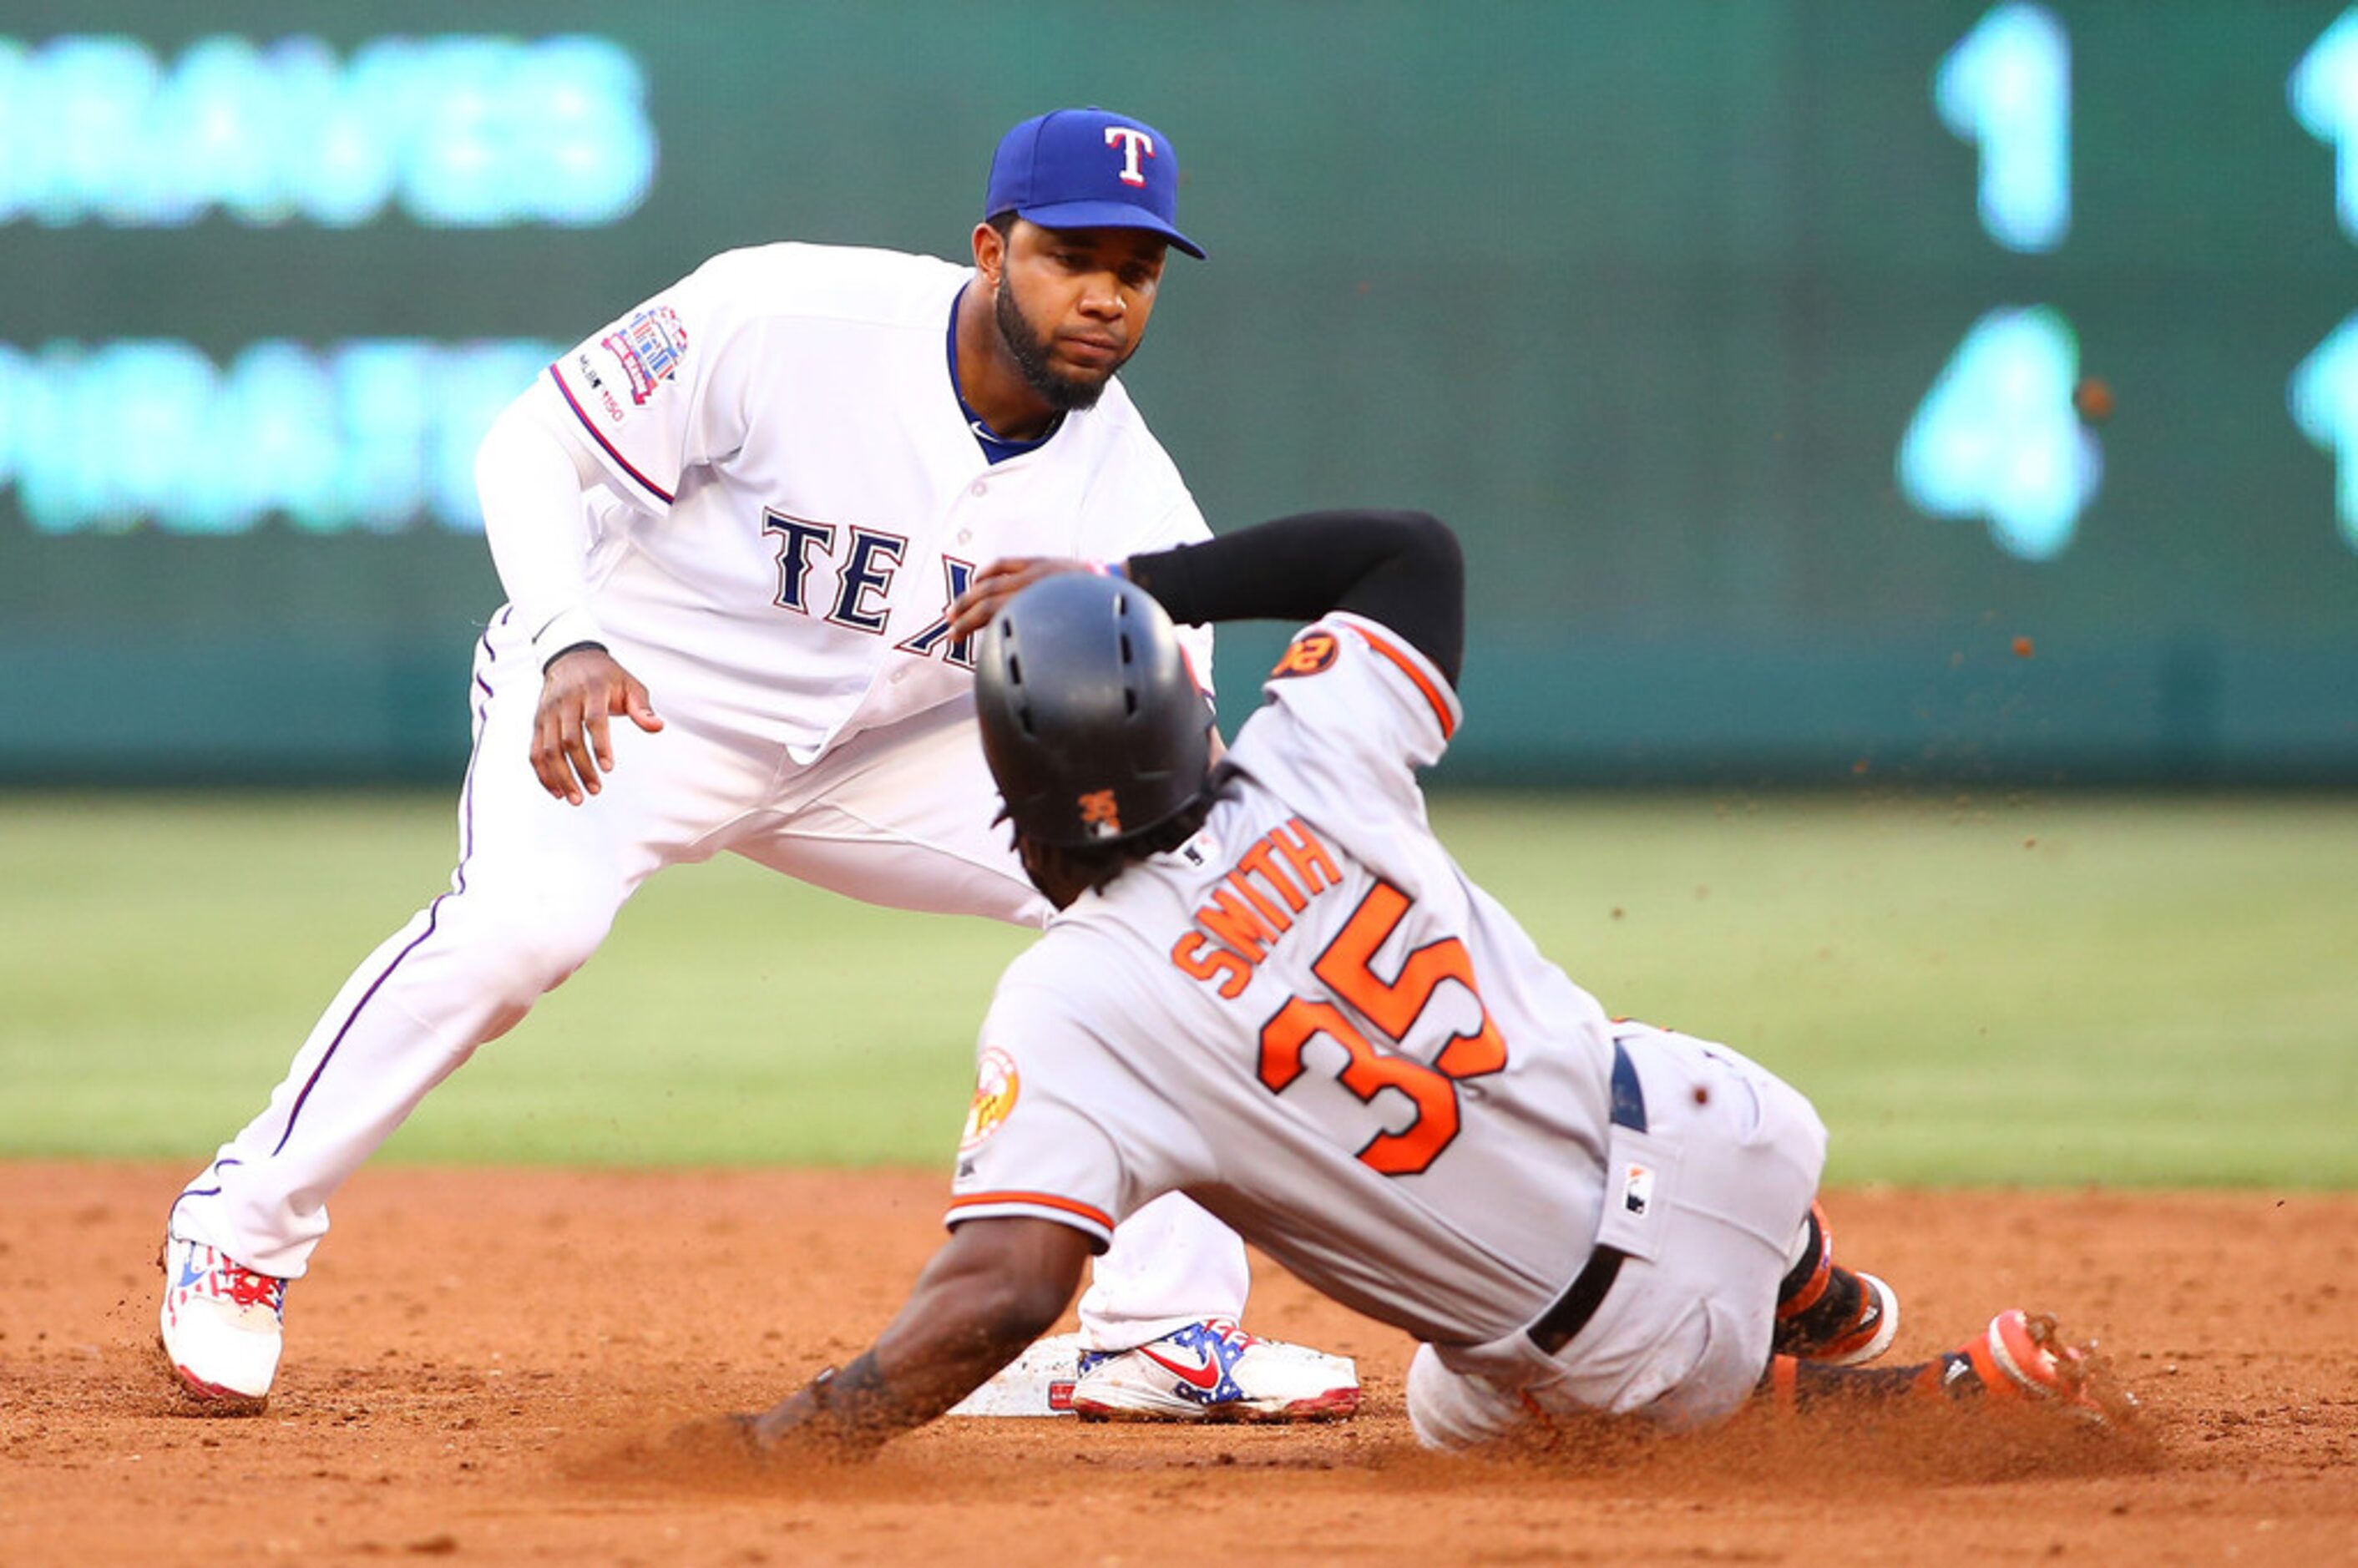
570,744
999,582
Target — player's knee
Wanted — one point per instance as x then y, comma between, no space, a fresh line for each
523,947
563,935
1450,1412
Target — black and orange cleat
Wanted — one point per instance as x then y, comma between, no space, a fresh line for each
1830,1314
2022,1358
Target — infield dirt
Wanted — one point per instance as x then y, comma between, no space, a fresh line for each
478,1355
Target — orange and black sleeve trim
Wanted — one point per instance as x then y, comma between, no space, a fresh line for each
1081,1216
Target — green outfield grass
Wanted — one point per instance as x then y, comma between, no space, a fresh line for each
2050,990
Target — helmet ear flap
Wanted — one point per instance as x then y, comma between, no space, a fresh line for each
1091,721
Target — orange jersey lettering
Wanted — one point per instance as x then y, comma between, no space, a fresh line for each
1229,919
1261,861
1198,957
1301,850
1240,923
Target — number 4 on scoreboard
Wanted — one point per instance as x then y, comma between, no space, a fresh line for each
1998,437
2323,396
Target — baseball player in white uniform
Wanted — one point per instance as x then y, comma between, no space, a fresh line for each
737,518
1270,988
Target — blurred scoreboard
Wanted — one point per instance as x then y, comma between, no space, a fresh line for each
1827,388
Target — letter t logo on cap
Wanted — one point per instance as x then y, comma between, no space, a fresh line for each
1133,143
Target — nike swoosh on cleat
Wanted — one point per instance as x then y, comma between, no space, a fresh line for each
1204,1378
190,1273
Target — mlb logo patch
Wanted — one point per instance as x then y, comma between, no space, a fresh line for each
1637,1188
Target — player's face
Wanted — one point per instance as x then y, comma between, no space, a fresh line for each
1073,304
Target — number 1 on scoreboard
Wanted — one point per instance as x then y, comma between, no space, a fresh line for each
2006,88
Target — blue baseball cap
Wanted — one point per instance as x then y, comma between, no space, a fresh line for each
1087,168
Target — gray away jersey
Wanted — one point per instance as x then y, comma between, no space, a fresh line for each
1311,1021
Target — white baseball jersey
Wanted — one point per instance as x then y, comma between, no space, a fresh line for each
802,496
1311,1021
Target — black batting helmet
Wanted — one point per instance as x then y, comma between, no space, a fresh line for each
1092,720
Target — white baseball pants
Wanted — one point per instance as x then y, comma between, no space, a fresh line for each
1682,1338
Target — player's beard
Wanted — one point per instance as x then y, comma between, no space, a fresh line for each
1065,394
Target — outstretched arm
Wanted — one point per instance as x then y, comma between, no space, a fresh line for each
1402,568
996,1286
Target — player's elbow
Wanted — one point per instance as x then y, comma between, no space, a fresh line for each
1430,547
1416,586
522,455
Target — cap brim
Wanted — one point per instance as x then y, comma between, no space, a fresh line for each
1106,215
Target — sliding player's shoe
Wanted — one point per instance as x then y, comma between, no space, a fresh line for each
2022,1358
1830,1314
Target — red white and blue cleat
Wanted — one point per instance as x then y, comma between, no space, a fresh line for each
1213,1371
221,1326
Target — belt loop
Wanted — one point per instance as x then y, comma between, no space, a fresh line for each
1629,1098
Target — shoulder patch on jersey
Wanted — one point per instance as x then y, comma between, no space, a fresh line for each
648,348
996,1084
1306,656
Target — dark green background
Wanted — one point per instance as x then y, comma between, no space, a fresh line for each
1641,297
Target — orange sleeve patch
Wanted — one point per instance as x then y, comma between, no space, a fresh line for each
997,1087
1306,655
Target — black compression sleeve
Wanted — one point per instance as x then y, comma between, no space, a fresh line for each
1403,570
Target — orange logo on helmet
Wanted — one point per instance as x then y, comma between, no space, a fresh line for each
1310,652
1101,814
996,1084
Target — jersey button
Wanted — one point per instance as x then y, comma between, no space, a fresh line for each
981,487
964,535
